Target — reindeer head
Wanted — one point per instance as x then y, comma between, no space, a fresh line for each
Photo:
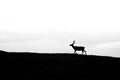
72,43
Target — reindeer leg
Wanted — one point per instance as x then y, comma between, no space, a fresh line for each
74,52
82,52
85,52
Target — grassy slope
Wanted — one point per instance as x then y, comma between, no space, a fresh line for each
34,66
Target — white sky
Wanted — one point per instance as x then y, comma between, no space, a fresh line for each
51,25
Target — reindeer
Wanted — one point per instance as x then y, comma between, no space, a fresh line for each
78,48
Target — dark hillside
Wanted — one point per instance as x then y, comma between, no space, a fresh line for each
34,66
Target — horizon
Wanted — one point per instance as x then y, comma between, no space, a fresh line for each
50,26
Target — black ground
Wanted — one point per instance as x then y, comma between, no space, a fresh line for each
36,66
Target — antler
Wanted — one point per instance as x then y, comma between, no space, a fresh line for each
74,42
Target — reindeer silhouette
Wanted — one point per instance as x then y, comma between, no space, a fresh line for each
78,48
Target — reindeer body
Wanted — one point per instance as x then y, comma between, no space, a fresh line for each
78,48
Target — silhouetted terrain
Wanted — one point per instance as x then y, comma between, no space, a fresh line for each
34,66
